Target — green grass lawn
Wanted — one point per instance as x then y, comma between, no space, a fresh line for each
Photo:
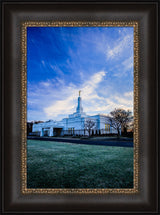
65,165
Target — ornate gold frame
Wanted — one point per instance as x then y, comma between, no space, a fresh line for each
24,189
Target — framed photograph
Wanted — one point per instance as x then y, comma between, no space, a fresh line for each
78,92
80,55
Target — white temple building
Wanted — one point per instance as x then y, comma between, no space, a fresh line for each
74,124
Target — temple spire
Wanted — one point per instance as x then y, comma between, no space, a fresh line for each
79,107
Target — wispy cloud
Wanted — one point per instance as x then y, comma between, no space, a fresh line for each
118,47
128,64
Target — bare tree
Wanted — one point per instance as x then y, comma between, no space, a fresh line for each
89,124
115,124
119,119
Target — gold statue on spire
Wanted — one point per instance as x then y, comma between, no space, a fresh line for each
79,93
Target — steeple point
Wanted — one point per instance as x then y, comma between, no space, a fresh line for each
79,107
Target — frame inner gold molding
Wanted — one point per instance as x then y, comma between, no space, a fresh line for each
24,188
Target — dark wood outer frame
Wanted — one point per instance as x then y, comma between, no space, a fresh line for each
16,13
25,190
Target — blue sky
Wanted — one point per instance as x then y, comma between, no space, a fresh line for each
63,60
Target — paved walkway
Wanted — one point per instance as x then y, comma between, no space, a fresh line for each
127,142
